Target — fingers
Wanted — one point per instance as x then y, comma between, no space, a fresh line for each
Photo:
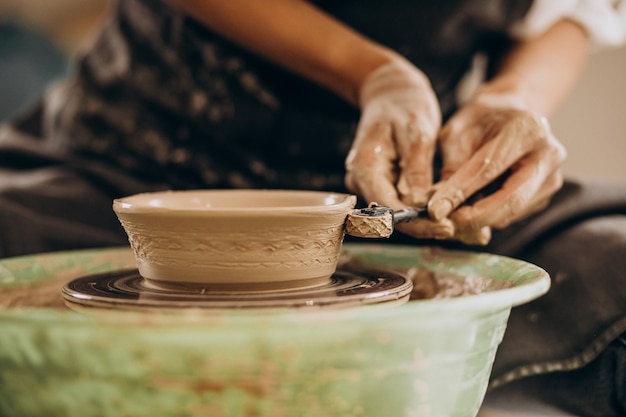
369,166
391,158
526,191
380,152
415,135
480,236
445,229
478,146
479,171
428,229
519,135
416,172
457,142
507,205
376,172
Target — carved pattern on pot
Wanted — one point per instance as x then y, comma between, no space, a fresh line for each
291,247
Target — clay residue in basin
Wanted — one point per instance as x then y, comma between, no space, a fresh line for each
428,284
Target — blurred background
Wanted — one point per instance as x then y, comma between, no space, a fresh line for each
39,38
592,121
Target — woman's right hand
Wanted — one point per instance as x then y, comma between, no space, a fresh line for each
391,158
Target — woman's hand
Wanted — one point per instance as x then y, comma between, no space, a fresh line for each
390,162
500,135
491,138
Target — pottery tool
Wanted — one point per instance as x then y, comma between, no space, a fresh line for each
377,221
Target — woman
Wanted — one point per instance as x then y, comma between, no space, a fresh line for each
358,96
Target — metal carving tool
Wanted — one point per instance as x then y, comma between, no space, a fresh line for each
377,221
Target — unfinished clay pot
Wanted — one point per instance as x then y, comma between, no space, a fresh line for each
269,238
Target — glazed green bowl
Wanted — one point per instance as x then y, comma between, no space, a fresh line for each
422,358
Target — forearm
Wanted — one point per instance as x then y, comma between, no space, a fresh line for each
538,74
297,36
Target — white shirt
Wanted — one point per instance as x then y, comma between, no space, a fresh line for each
604,20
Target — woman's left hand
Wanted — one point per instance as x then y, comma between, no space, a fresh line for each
487,139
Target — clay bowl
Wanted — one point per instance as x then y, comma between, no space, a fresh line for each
421,358
267,238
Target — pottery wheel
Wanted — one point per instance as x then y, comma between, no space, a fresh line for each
128,290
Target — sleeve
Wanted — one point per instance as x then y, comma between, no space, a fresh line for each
604,20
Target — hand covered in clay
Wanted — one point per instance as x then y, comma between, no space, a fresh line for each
493,140
390,161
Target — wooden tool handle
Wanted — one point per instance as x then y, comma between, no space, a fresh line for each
378,221
361,223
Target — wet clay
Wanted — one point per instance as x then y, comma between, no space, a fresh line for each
250,237
428,284
431,285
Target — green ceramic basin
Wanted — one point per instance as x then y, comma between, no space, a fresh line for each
423,358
